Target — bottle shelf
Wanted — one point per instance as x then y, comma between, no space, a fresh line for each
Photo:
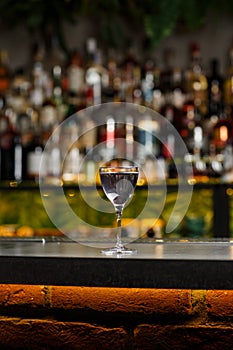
209,214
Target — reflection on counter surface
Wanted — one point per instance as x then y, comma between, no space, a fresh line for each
59,247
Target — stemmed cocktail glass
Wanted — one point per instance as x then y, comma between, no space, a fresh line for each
119,183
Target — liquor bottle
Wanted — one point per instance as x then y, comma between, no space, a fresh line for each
90,153
191,123
158,97
88,135
112,89
109,151
147,130
228,84
107,138
48,118
131,78
222,132
193,134
72,104
7,138
221,146
148,83
173,100
96,76
215,89
178,93
171,109
69,133
167,71
35,168
90,167
75,74
23,144
215,100
4,72
36,160
70,151
53,53
52,154
196,84
221,140
58,93
18,96
37,73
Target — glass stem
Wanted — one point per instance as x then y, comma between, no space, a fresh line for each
119,244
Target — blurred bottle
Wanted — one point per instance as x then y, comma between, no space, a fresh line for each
69,149
76,78
131,78
52,155
7,139
148,143
196,84
58,93
221,145
215,101
18,96
158,97
54,53
5,76
72,104
24,140
37,78
194,137
40,88
48,119
228,84
171,110
178,88
172,106
215,89
112,90
148,83
172,84
96,75
36,160
222,133
166,76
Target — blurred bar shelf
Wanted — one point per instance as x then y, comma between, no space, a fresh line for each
158,264
221,193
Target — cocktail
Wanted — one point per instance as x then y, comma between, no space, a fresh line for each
119,183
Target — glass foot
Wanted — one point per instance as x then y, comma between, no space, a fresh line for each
119,251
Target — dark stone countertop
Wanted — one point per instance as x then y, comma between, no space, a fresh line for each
161,264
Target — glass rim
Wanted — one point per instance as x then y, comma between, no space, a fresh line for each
121,167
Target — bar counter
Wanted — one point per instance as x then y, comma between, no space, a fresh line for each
158,264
